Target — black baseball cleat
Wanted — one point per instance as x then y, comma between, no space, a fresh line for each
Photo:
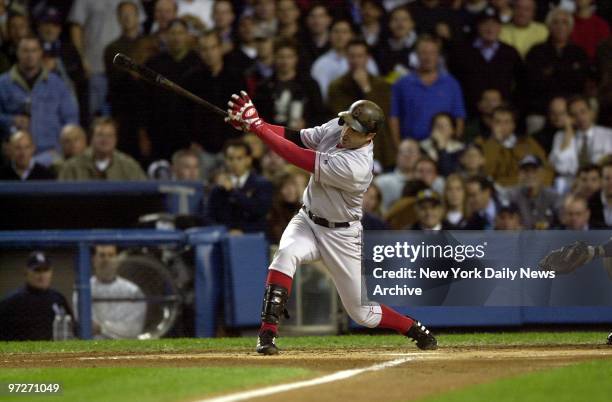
421,335
610,339
265,343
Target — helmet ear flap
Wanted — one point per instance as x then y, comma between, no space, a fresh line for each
341,121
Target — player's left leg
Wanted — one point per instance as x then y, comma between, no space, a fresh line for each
610,339
340,250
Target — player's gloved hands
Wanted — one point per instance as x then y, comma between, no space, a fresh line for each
243,111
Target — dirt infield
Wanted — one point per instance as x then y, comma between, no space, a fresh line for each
425,373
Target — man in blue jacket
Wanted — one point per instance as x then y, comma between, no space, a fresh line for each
241,199
33,99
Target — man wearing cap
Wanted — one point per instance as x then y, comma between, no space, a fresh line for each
28,313
339,154
537,203
429,210
486,63
508,217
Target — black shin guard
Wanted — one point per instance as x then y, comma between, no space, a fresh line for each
274,302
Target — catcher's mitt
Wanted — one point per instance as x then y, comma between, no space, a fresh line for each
566,259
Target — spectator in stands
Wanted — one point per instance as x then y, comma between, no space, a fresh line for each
580,142
224,18
288,15
472,161
391,184
600,203
508,218
186,165
416,98
286,202
372,216
575,214
523,32
557,119
33,99
441,146
395,55
114,319
165,12
588,181
94,26
102,161
245,53
18,27
62,58
241,199
481,204
479,126
427,171
272,166
164,112
288,98
504,149
486,63
215,79
469,14
28,313
198,8
258,149
437,19
334,63
315,40
263,68
124,90
503,9
537,203
554,68
429,211
589,28
264,12
73,142
454,202
22,165
371,25
358,84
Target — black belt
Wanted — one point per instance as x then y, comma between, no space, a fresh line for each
324,222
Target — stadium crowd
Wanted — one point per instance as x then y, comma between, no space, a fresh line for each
498,111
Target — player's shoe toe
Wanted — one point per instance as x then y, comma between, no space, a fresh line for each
266,343
422,337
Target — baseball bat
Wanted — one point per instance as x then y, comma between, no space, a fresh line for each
124,62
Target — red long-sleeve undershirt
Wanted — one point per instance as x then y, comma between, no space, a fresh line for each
274,137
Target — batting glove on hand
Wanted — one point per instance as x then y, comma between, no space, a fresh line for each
244,111
232,118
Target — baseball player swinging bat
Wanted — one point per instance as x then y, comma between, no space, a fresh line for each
124,62
339,154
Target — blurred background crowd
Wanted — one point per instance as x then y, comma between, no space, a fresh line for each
498,111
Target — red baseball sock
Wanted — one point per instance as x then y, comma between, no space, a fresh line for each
394,320
276,278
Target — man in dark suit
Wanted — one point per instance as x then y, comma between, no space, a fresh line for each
486,63
241,199
22,165
600,203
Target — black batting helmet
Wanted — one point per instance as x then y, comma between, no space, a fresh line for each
363,116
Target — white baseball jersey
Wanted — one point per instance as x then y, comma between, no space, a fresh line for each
334,192
341,177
